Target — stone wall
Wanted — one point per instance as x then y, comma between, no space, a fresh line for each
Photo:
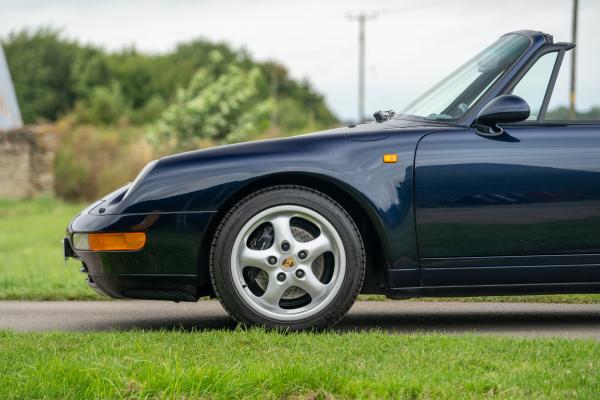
26,162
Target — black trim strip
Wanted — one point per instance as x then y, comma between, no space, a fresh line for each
496,290
502,261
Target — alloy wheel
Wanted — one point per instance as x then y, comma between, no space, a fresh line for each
288,262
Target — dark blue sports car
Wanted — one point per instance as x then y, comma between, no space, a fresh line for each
469,191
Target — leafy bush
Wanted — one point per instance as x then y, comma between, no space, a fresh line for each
71,176
225,108
92,162
150,111
106,105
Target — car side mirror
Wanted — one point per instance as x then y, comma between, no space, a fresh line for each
502,110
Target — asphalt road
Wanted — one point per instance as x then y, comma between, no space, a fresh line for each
402,317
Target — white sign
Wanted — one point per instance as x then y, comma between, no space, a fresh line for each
10,116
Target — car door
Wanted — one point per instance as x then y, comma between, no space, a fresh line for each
521,208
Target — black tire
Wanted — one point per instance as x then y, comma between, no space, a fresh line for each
233,222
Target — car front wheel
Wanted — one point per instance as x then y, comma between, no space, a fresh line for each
287,257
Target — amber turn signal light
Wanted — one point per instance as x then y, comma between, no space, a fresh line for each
390,158
109,241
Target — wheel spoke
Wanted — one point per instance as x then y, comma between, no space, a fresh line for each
282,230
274,292
317,247
256,258
312,285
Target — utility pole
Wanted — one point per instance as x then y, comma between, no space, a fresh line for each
572,94
361,18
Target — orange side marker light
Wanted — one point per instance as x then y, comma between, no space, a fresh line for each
390,158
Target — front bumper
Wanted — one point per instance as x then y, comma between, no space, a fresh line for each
171,266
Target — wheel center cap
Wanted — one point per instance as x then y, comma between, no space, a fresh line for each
289,262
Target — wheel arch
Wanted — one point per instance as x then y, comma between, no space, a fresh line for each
340,192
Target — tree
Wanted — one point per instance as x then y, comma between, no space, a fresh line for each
41,64
55,76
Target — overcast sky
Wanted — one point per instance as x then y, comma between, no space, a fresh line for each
410,45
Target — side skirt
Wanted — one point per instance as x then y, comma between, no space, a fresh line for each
493,290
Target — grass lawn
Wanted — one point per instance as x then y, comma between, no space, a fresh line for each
258,364
32,268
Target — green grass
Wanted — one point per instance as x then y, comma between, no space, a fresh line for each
258,364
32,268
31,263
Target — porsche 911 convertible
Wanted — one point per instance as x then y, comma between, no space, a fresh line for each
469,191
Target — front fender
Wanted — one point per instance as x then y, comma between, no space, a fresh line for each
205,180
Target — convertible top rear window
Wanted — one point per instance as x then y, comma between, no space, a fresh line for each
455,95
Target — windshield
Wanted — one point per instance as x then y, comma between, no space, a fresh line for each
455,95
